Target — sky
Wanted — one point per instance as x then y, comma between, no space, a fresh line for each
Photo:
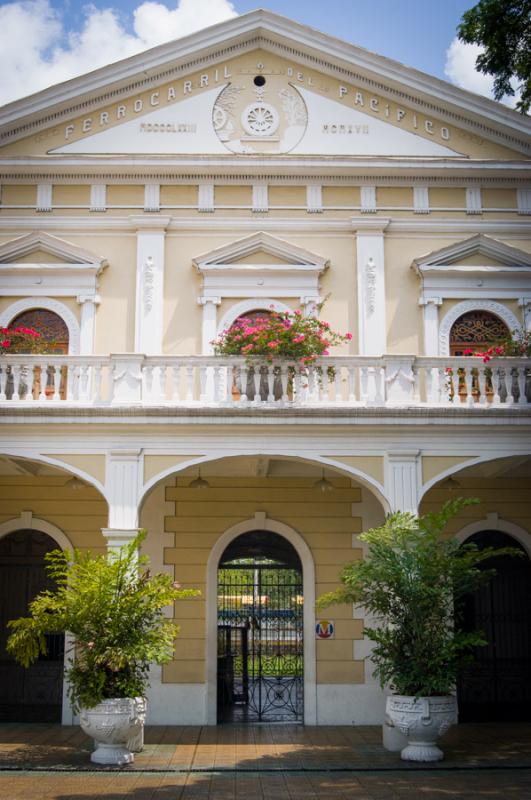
43,42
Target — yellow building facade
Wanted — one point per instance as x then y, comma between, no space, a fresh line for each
148,205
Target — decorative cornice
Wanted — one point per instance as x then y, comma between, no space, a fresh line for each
429,226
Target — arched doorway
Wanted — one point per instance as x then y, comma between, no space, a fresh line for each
54,339
34,694
260,656
496,686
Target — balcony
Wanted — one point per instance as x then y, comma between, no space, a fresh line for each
349,382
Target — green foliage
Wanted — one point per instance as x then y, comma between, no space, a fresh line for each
413,582
503,29
113,607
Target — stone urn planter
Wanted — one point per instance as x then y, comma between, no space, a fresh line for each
113,724
422,720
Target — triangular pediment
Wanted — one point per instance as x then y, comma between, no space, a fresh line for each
477,251
43,248
320,96
260,250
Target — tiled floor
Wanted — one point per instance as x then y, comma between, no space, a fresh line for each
271,762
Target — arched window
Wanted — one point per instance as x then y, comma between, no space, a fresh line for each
476,330
50,325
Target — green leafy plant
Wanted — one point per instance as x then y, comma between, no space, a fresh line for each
113,606
413,581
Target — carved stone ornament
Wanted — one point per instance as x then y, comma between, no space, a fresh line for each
422,720
370,285
149,283
263,113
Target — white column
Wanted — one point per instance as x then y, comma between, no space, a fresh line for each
372,326
87,322
402,477
123,484
525,305
431,324
150,284
210,324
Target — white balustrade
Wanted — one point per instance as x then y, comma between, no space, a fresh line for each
233,382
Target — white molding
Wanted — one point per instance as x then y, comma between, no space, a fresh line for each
152,197
368,199
480,244
260,241
26,521
314,198
492,522
98,197
29,303
260,202
421,200
44,197
473,200
205,198
22,246
250,304
523,200
465,306
261,522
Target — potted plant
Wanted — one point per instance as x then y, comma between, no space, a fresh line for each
113,607
413,582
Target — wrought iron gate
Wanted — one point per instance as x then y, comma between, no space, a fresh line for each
260,638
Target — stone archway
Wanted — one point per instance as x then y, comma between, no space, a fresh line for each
34,694
495,687
262,523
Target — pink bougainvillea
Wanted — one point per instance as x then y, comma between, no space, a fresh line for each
279,334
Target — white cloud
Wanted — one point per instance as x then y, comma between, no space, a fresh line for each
460,68
30,59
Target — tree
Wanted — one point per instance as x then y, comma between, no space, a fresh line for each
503,29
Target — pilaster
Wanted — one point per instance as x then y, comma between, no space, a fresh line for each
123,485
87,322
209,327
371,285
150,284
430,308
402,479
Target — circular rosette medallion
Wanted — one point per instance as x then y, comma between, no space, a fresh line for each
260,114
